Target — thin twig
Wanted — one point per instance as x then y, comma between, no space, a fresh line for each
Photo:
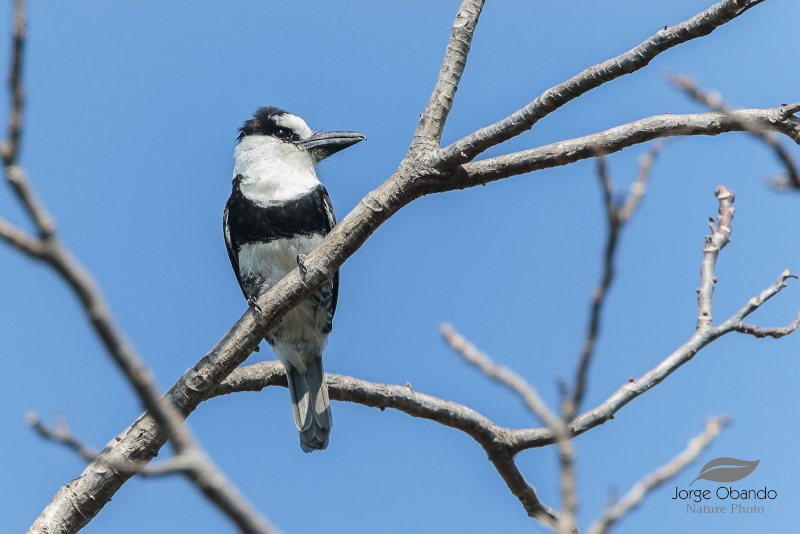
617,215
500,374
61,434
511,380
663,474
774,332
22,240
714,101
720,236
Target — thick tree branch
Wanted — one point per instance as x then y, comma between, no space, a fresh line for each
714,101
700,25
660,476
432,120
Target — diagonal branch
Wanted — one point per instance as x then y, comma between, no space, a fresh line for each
714,101
700,25
432,120
660,476
49,249
22,240
702,338
500,374
62,435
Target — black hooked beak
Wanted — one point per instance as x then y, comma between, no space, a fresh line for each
324,144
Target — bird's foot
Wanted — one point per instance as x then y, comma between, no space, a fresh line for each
301,266
251,301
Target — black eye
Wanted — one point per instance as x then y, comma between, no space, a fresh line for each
283,133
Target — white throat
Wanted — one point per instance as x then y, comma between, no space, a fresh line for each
273,171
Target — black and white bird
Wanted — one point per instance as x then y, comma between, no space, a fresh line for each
277,213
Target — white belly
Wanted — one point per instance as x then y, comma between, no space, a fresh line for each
299,337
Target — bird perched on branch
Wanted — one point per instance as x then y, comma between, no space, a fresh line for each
277,213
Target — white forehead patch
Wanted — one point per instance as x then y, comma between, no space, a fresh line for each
295,123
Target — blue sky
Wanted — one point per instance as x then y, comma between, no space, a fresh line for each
132,113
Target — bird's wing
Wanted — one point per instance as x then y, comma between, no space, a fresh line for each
233,249
331,222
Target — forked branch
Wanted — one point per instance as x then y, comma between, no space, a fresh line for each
714,101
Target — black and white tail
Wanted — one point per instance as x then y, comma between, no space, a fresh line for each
310,405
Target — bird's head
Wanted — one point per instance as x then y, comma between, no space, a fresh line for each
283,130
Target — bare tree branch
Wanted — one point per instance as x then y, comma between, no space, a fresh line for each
789,109
775,332
493,438
617,214
613,140
652,378
416,176
720,236
61,434
432,119
565,523
700,25
20,239
714,101
9,151
663,474
500,443
49,249
143,439
500,374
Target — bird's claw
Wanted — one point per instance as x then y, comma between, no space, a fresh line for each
301,266
253,304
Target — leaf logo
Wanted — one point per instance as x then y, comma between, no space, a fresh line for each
726,470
